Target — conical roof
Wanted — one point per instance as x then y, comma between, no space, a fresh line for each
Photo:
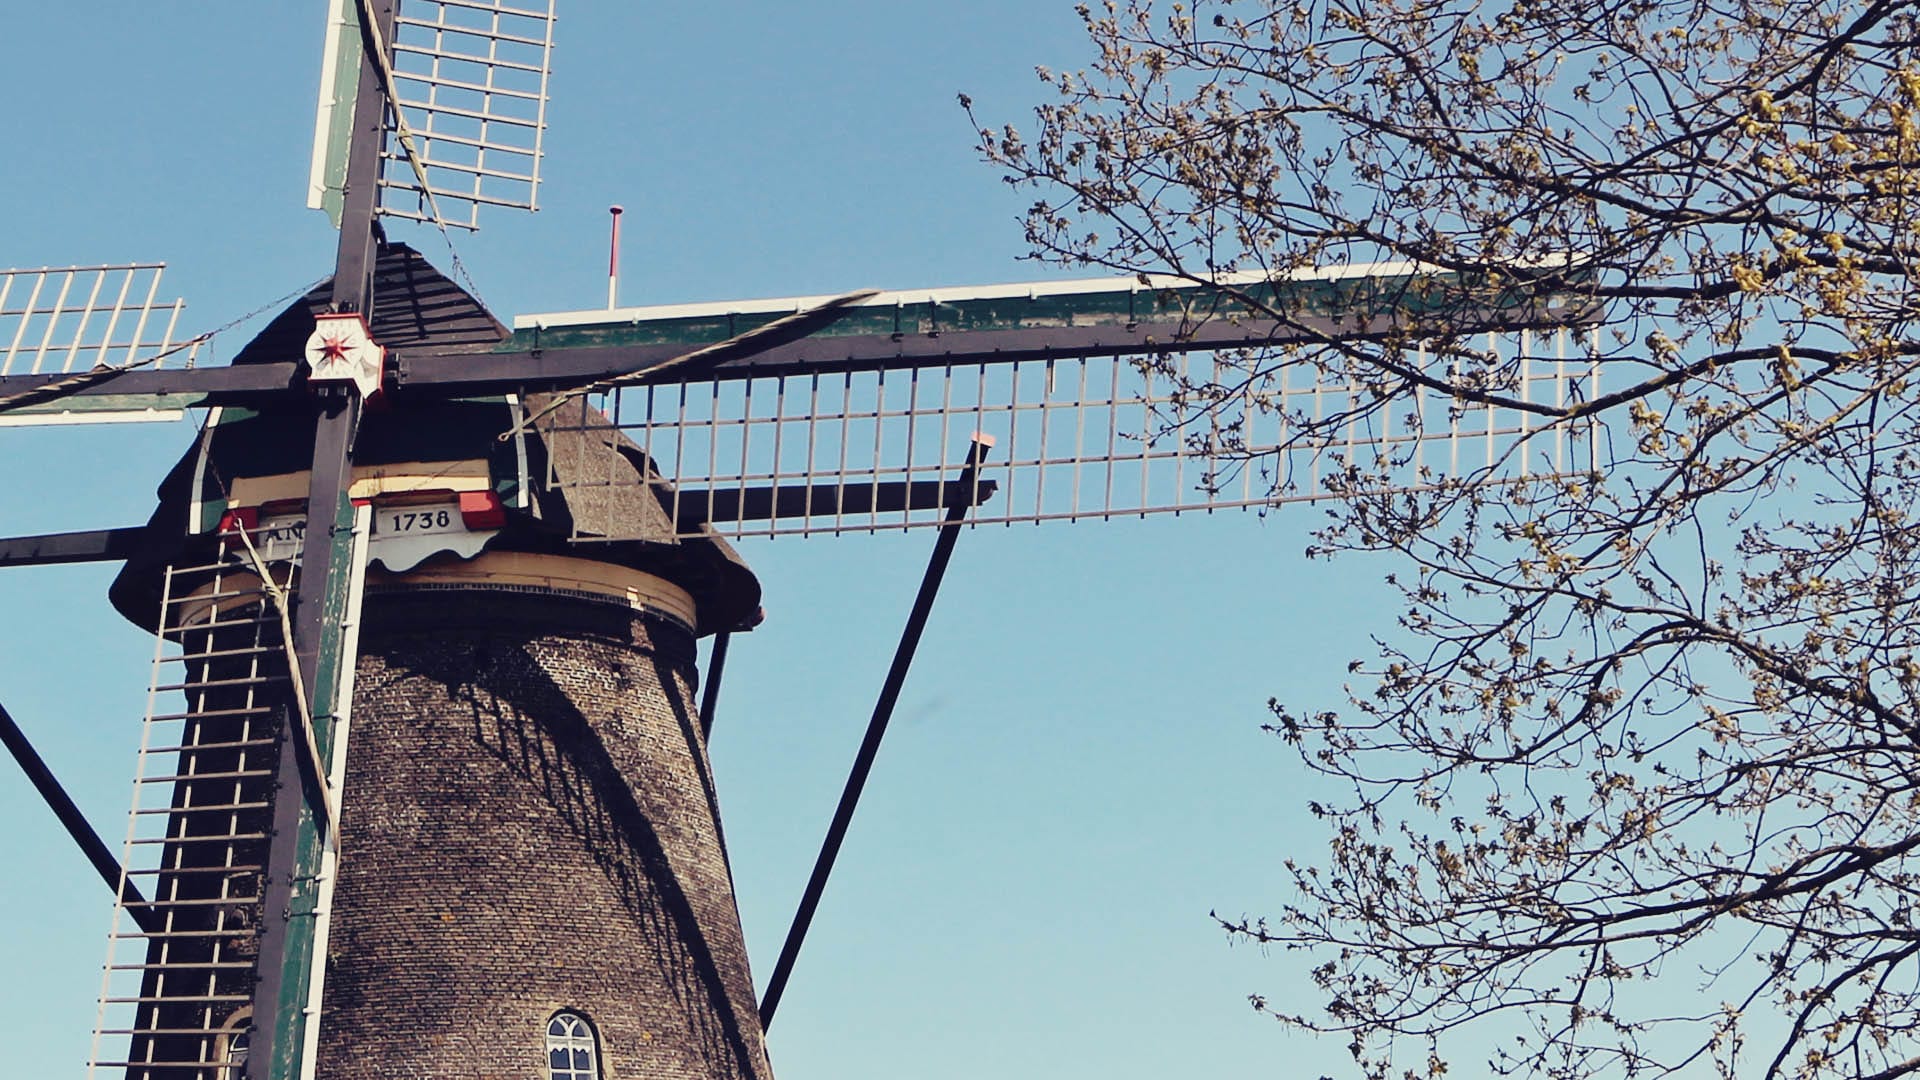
414,306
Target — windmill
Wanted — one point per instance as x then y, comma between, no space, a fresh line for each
754,451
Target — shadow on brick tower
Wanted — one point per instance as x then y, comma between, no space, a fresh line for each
531,859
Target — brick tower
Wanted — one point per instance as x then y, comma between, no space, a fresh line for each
532,881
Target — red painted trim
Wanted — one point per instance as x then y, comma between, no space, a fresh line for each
241,517
482,510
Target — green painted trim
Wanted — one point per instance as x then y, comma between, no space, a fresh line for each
211,510
348,51
290,1017
1406,294
77,404
507,485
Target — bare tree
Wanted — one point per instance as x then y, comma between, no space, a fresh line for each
1634,782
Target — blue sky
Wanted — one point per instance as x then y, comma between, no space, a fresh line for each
1076,774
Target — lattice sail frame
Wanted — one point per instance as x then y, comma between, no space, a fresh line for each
56,320
472,82
73,319
1083,438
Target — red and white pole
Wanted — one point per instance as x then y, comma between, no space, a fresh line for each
613,261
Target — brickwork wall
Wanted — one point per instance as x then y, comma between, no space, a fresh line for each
530,826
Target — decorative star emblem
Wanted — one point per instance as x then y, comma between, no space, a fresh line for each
342,351
334,348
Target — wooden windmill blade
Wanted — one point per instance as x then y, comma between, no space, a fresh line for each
852,428
849,427
468,83
67,327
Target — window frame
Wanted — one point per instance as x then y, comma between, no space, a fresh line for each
580,1034
237,1030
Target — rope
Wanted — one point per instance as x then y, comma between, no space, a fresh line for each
758,334
277,595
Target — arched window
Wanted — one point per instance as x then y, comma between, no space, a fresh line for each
571,1053
236,1063
232,1048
